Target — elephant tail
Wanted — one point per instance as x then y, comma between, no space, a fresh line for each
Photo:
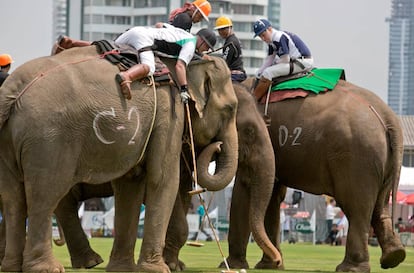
61,240
395,142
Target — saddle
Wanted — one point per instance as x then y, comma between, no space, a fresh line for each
125,56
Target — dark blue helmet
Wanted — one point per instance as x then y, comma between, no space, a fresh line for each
260,26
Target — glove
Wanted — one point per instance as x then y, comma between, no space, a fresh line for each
185,96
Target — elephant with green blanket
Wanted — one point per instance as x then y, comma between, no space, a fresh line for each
63,120
346,143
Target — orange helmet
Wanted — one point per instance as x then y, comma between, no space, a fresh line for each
5,59
223,22
204,7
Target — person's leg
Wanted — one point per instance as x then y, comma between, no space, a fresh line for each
266,79
64,42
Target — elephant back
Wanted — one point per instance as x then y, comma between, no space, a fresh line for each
72,98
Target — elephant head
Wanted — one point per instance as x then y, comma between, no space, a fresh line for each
214,101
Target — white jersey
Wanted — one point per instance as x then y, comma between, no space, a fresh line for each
172,41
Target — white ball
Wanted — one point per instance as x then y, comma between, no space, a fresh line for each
243,270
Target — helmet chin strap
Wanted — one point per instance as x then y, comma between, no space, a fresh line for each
194,13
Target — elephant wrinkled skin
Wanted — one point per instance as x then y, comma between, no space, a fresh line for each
63,120
346,143
255,152
255,149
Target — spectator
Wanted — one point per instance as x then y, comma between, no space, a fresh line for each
330,215
5,65
201,213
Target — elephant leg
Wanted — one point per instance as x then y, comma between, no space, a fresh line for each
162,181
38,255
177,231
272,224
356,252
239,229
81,253
129,195
393,252
14,210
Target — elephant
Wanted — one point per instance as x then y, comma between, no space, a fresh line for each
63,120
255,152
255,149
345,143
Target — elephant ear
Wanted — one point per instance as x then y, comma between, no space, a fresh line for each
199,75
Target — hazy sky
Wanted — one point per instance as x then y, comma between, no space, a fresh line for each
349,34
26,29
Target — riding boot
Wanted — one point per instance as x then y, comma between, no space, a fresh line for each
125,78
64,42
262,88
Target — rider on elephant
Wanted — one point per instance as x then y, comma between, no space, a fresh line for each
287,54
169,40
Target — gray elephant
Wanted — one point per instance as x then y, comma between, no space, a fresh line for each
255,149
346,143
255,153
63,120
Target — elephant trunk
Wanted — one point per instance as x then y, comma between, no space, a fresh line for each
261,191
226,164
259,200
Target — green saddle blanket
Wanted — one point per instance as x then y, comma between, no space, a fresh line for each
317,80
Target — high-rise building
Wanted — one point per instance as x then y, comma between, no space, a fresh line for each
104,19
401,57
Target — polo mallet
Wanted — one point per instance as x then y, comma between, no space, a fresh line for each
199,194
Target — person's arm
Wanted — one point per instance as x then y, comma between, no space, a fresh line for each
267,62
180,70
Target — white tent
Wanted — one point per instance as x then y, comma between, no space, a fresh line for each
406,180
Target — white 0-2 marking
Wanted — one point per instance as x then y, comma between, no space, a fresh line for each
112,113
284,135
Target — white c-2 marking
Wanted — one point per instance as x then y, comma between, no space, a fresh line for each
119,127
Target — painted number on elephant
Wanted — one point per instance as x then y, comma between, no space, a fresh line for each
133,112
284,136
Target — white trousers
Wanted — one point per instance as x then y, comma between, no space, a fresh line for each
283,69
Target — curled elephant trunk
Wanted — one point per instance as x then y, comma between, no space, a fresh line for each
226,165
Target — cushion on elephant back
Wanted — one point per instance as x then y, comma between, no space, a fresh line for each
125,56
315,81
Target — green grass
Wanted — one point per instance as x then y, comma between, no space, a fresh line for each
299,257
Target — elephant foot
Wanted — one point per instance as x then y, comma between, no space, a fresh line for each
87,260
11,265
44,265
267,264
121,266
176,265
235,263
391,259
159,267
351,267
171,259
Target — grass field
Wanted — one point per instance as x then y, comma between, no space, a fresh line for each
300,257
